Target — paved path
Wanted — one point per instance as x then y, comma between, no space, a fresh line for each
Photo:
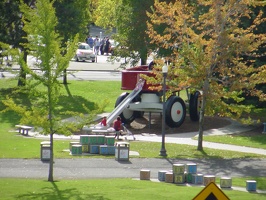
187,138
110,168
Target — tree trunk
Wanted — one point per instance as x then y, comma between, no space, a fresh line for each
143,56
201,126
65,77
143,61
22,73
202,112
51,124
51,163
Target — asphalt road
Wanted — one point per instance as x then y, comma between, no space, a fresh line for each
100,70
110,168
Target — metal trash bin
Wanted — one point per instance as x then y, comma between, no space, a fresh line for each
45,150
122,151
264,128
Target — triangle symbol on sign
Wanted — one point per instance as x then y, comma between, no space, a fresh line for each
211,197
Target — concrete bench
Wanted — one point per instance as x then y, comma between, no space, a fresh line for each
24,130
18,127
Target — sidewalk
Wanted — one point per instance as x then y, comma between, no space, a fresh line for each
184,138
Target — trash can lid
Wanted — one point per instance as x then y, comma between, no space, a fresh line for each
121,143
45,142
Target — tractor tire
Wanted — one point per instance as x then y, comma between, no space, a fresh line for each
127,116
175,111
194,106
138,114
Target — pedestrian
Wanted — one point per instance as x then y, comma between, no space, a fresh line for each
96,45
151,65
103,122
117,126
90,41
102,43
107,46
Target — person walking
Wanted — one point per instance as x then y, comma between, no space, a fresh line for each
102,43
103,122
96,45
117,126
90,41
107,46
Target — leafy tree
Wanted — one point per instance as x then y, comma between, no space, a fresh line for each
11,28
212,42
44,43
73,18
139,40
129,17
105,13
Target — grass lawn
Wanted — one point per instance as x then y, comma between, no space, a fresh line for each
90,93
105,189
253,138
13,145
256,141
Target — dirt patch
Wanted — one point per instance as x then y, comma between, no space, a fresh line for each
141,125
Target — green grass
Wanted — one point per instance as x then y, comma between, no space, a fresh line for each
89,93
258,141
255,140
75,94
13,145
105,189
241,182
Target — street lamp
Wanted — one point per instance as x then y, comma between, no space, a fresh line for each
163,150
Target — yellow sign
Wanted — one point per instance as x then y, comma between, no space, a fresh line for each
211,192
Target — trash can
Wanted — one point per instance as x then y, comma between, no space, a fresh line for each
45,150
122,151
264,128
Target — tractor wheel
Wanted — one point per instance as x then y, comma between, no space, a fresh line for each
138,114
194,106
127,116
175,112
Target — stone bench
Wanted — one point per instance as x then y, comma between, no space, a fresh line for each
24,130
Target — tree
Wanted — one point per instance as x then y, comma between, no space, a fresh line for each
11,29
129,17
105,13
73,18
213,46
44,43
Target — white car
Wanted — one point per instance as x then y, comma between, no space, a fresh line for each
84,52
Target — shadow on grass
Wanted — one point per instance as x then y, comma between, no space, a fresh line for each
254,135
54,192
68,103
246,167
